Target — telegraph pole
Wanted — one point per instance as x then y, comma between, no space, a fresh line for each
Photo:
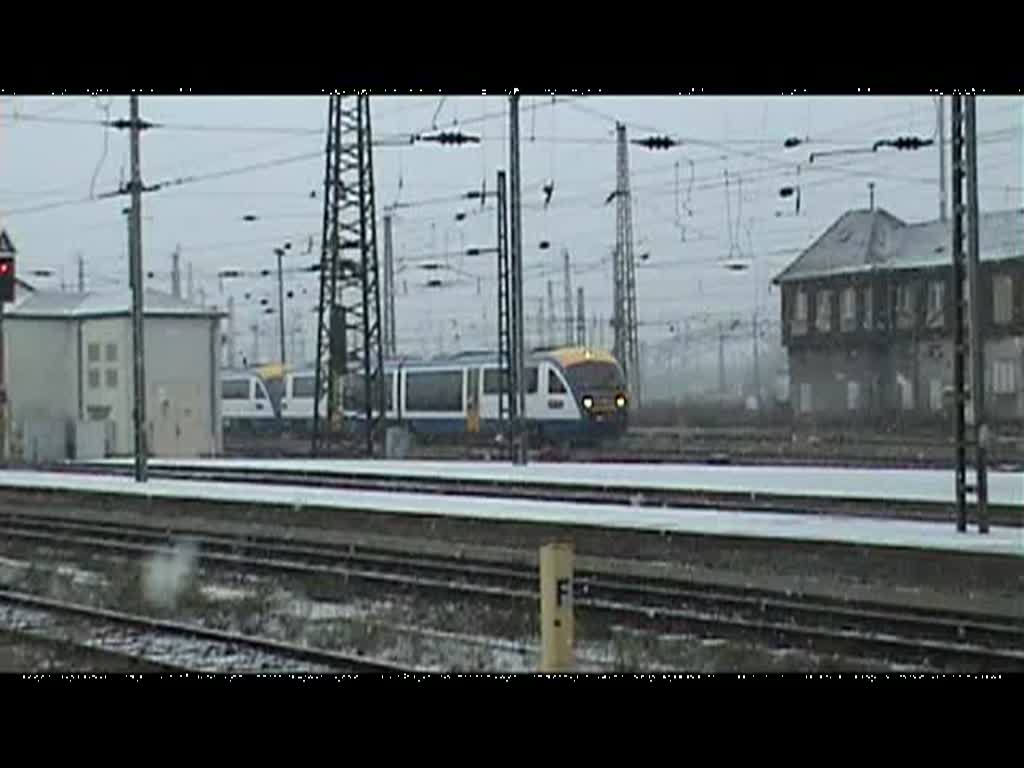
390,331
942,157
516,230
191,293
176,272
721,360
255,328
757,362
231,332
552,325
976,344
581,319
541,325
138,289
81,273
566,277
965,217
627,347
280,299
508,401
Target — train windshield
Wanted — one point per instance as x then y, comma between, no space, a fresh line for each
595,375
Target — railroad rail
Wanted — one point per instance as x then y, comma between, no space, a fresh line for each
578,493
928,638
168,646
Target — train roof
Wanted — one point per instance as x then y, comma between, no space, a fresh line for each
564,356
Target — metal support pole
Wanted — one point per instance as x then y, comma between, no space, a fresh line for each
390,331
280,300
138,288
231,332
581,319
176,274
977,343
516,228
959,352
942,157
508,403
567,291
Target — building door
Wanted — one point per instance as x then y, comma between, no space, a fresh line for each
177,428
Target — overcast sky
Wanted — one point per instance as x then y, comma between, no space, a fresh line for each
725,204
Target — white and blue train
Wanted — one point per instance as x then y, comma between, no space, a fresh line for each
573,394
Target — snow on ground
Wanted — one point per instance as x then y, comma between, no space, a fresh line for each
876,532
892,484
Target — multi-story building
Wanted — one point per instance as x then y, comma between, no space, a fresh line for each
868,318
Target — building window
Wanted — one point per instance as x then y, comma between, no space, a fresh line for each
853,395
94,352
111,378
935,394
906,388
823,321
799,325
94,378
906,305
805,397
1002,299
936,304
111,353
1004,379
849,309
869,308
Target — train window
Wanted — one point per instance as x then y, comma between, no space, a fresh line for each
555,385
434,391
491,381
532,378
595,375
303,386
261,392
235,389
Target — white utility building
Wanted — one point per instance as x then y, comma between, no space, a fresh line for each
70,373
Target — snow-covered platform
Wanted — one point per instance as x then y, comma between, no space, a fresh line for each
872,532
884,484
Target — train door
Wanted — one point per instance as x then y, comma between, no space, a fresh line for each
559,404
473,400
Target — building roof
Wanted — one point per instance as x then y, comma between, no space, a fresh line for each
57,304
865,241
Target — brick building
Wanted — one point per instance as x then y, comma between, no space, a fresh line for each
868,321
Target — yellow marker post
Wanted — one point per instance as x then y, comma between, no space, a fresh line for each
557,625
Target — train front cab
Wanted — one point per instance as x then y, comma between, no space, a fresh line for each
599,387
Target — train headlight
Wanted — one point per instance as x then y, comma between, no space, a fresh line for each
620,401
588,402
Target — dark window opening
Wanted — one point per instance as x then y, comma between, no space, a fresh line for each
436,391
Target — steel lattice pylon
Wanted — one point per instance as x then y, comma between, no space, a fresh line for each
508,404
349,338
626,348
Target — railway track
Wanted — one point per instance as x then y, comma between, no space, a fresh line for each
926,638
577,493
166,646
